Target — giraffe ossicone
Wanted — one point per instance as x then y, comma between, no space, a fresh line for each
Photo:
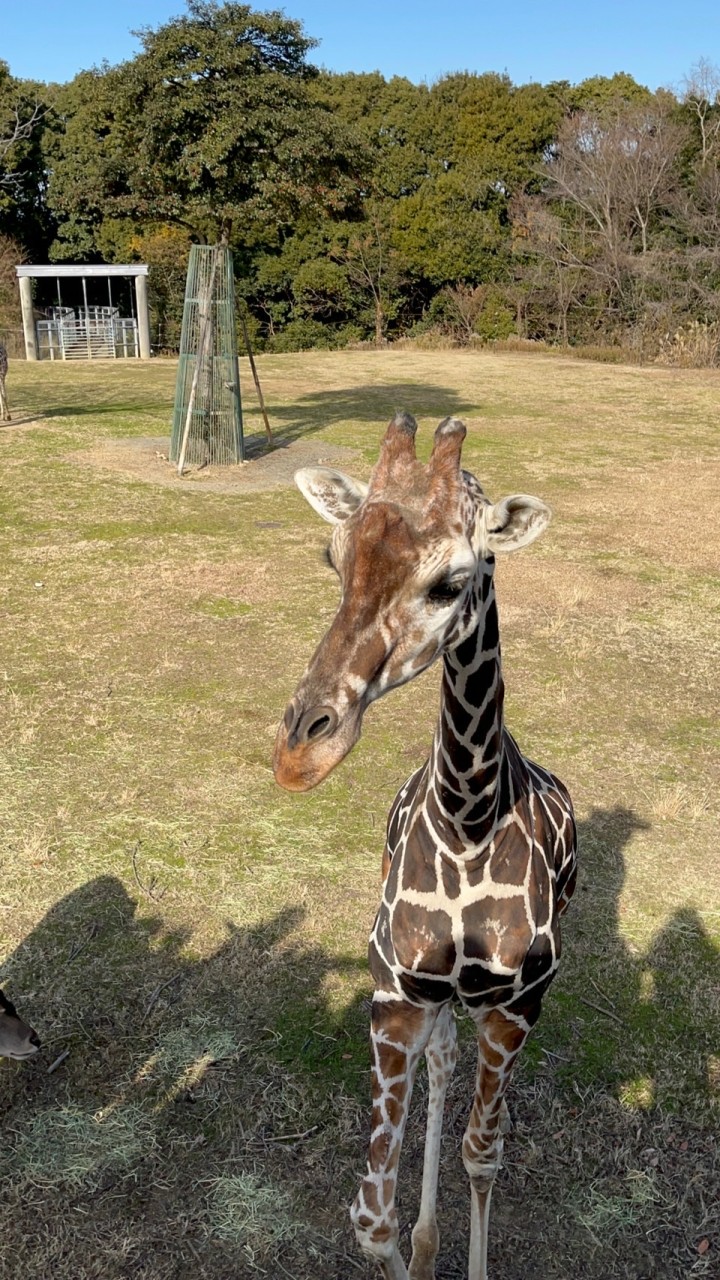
479,861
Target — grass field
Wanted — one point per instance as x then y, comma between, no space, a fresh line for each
196,938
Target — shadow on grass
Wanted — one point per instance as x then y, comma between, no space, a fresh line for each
616,1103
97,410
186,1122
308,414
639,1020
211,1117
374,405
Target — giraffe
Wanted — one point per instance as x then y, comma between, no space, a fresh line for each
17,1038
4,406
479,861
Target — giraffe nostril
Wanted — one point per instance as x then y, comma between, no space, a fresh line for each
318,722
318,727
35,1040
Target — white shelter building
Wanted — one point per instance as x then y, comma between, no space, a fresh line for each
75,329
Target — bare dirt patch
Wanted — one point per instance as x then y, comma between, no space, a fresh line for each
146,459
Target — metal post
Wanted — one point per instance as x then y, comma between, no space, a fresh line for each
87,319
143,316
28,318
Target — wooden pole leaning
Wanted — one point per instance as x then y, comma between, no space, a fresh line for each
256,379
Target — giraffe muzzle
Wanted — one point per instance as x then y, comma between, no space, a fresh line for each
311,742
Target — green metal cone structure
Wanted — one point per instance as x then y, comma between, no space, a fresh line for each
207,420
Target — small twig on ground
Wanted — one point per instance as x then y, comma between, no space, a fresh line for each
158,991
353,1262
599,1009
92,932
540,1174
292,1137
145,888
279,1264
60,1058
87,1035
195,1254
550,1053
602,994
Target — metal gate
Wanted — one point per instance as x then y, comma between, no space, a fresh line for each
92,333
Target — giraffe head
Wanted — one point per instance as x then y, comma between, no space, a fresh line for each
410,550
17,1038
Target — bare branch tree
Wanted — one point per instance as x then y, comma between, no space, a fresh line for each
558,251
702,94
618,174
17,127
372,267
465,304
614,174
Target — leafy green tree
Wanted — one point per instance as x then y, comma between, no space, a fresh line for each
320,288
166,250
24,110
605,94
360,207
452,229
212,127
390,117
492,128
374,269
88,159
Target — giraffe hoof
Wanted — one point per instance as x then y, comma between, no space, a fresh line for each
425,1241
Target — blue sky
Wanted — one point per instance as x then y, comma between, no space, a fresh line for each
422,39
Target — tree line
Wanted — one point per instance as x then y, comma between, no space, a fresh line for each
365,209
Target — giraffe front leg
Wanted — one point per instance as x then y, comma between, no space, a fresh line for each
441,1055
501,1036
400,1032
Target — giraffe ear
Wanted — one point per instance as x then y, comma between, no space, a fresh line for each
514,522
332,494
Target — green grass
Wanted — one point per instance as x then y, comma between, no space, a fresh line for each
196,938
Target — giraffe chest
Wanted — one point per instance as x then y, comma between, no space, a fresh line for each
481,929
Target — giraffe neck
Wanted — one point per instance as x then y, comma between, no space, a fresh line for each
469,786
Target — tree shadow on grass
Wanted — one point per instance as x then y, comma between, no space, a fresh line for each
363,405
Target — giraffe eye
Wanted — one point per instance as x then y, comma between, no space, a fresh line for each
447,590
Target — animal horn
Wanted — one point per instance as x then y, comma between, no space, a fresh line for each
397,448
445,457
